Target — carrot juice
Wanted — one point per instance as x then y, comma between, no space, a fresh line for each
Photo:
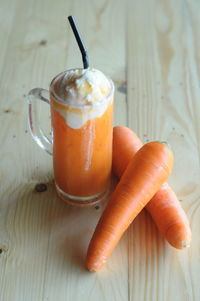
82,113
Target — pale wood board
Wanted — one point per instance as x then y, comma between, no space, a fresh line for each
151,51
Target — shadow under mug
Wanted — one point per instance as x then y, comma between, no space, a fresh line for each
81,143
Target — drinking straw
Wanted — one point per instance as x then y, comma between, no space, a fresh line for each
80,42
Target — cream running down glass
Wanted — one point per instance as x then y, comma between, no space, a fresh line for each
81,103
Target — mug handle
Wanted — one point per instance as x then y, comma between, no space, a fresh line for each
38,135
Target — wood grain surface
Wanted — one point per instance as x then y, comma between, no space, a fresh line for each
150,48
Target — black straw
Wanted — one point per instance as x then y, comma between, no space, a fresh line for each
80,42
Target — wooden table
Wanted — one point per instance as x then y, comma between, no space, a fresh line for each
151,50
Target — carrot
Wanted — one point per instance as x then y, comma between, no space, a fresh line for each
145,173
164,207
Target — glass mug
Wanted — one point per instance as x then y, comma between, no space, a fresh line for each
81,143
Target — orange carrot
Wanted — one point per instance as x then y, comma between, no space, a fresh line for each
125,145
145,173
164,207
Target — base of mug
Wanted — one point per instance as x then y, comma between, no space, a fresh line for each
82,201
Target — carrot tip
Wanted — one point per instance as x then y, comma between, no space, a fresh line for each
166,143
185,244
91,270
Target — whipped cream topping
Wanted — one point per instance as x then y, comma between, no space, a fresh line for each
89,89
84,86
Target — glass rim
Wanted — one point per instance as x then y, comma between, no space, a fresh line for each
86,106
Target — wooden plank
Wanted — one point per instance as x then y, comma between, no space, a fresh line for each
43,240
163,93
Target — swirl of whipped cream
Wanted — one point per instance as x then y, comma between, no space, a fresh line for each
86,90
84,86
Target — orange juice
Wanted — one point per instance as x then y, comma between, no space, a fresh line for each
82,135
